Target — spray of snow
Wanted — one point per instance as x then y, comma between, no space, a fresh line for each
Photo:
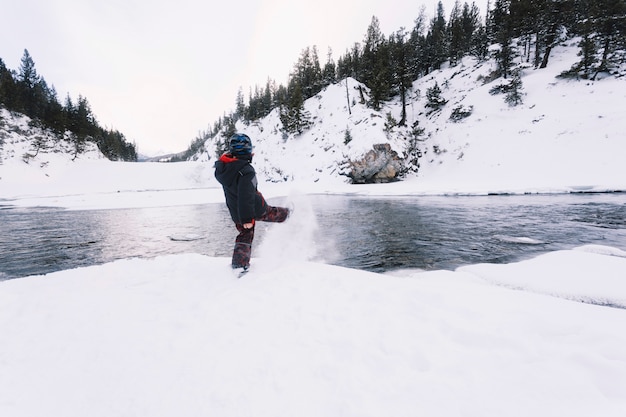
299,239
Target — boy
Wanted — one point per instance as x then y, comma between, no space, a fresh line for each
246,205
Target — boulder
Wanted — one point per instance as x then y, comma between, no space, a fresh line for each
379,165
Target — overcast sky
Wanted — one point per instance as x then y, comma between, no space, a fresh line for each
161,71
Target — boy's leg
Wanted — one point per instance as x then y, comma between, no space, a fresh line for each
275,215
243,247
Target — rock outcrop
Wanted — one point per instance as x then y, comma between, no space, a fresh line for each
379,165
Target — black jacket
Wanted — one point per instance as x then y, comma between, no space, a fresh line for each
239,182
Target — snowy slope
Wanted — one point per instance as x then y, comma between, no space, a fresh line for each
567,135
181,336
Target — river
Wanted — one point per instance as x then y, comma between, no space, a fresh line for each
375,234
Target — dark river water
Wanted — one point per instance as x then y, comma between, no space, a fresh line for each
376,234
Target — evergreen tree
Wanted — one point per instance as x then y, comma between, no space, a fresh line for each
349,64
70,113
480,43
514,90
584,27
266,99
294,117
27,79
54,116
417,46
8,87
525,14
609,17
280,96
436,42
552,18
400,64
329,73
456,35
240,105
308,73
435,100
222,144
347,136
371,45
86,124
474,39
503,34
376,71
27,74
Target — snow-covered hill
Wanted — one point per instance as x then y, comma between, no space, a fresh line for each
566,135
22,140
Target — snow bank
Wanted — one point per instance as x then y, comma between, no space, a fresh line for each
181,336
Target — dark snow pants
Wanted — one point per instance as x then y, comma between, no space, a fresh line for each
243,242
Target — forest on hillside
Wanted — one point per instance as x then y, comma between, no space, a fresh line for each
512,32
26,92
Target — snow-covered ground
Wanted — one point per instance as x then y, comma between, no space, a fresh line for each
180,335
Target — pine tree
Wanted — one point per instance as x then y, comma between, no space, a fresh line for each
54,116
435,100
240,105
514,91
401,69
503,34
308,73
588,47
609,18
8,87
456,35
373,41
553,16
27,74
294,117
329,73
436,42
347,136
27,79
417,50
376,71
474,39
266,99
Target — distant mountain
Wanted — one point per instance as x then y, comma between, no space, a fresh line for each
159,158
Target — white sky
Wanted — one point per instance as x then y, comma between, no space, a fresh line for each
160,71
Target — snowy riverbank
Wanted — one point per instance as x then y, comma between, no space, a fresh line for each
180,335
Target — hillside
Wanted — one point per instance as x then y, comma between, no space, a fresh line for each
566,135
22,139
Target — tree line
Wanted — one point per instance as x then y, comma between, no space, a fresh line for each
26,92
511,32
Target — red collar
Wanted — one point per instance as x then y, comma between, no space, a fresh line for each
228,158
